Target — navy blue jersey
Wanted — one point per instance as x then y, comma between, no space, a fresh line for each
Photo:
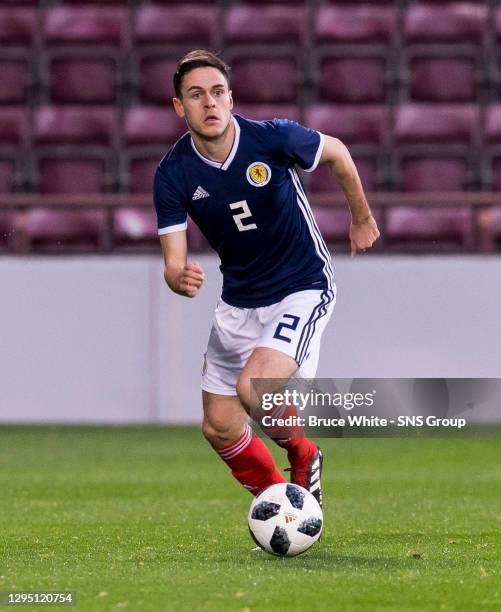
252,209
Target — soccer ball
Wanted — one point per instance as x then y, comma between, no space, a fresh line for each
285,519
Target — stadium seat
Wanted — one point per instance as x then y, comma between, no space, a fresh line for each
85,53
57,231
352,80
18,28
73,153
459,22
75,125
427,82
81,81
491,149
264,80
365,129
428,229
247,24
355,24
154,79
86,25
193,25
433,151
334,224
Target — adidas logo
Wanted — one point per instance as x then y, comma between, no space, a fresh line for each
289,517
200,193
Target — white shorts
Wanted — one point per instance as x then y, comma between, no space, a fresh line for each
293,326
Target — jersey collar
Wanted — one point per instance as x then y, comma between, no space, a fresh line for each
226,164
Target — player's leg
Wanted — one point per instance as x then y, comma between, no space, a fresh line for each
290,345
225,426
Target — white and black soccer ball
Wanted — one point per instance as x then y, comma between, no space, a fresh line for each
285,519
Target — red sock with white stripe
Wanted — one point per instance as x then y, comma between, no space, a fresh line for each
251,462
290,437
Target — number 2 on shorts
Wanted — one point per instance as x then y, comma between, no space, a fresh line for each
294,321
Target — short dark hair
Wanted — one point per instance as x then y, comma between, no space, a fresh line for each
198,59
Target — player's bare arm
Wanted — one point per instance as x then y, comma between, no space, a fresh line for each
363,228
183,277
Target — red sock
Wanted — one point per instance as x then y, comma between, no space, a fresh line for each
290,437
251,462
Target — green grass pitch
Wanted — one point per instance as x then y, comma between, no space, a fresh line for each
148,518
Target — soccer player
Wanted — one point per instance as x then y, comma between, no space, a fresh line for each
237,180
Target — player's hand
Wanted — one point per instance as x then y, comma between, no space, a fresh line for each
191,279
363,234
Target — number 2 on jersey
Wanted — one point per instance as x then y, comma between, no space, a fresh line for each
243,215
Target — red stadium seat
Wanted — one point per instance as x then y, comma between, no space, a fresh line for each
135,228
55,231
365,129
264,80
491,149
85,46
334,224
453,22
75,125
18,27
433,151
81,81
164,25
86,25
427,82
355,24
353,80
147,124
247,24
155,79
438,123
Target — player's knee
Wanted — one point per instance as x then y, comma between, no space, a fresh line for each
217,432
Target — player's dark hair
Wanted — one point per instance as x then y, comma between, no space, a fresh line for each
198,59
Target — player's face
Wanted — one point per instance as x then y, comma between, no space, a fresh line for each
206,102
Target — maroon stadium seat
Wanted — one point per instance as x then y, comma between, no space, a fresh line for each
353,80
135,227
262,112
79,81
53,231
147,124
452,22
246,24
72,154
428,229
427,82
148,133
13,126
365,129
86,25
433,152
75,125
18,28
83,62
360,24
155,79
366,123
166,25
439,123
334,224
491,150
264,80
